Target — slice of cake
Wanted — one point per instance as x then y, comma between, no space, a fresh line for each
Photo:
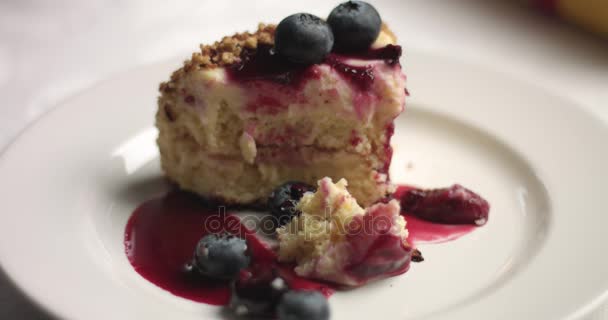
239,118
334,239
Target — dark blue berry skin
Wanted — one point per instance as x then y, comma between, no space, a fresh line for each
284,199
303,38
355,24
220,256
303,305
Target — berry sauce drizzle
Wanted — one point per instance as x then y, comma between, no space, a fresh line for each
162,233
264,64
422,231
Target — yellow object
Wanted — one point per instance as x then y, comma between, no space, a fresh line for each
591,14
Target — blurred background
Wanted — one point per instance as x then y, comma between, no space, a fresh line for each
51,50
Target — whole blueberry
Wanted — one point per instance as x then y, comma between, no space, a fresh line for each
303,38
303,305
355,24
220,256
284,199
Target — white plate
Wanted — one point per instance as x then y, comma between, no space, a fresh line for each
70,182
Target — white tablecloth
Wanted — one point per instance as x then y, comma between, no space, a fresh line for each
49,50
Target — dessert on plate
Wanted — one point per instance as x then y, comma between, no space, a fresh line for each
296,119
300,101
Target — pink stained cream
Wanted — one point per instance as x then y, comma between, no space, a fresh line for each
269,75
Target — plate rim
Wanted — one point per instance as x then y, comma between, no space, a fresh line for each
16,139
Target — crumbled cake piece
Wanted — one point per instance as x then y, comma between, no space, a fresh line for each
336,240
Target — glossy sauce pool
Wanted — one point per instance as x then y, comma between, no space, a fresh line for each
422,231
162,233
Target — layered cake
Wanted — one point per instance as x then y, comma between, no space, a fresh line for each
257,109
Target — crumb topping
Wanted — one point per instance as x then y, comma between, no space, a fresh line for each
228,51
222,53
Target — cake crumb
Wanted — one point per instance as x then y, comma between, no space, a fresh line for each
417,256
168,112
251,43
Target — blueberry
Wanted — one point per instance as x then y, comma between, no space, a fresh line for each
303,38
284,199
303,305
220,256
453,205
355,24
256,292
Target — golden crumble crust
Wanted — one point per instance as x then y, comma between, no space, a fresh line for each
228,51
223,53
